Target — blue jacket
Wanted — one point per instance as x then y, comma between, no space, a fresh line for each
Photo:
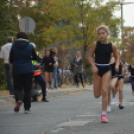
21,57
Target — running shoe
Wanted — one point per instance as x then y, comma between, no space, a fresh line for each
27,112
109,109
17,107
45,99
113,101
104,119
121,106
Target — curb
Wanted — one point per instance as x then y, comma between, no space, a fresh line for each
50,93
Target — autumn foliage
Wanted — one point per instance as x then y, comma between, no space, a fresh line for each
128,44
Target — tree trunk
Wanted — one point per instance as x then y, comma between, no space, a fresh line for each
84,55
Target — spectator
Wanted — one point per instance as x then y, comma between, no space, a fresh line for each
53,54
59,72
77,64
21,56
59,68
48,62
5,51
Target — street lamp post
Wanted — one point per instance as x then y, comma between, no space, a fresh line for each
122,25
124,3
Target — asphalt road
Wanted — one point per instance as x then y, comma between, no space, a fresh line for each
69,114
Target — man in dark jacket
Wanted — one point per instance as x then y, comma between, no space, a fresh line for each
21,56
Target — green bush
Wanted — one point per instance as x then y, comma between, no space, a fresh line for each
3,82
3,86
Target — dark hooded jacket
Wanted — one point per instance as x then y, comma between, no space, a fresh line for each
21,56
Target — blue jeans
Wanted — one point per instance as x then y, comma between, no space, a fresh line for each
40,79
54,78
59,72
8,77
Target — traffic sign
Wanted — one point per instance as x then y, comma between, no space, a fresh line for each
27,25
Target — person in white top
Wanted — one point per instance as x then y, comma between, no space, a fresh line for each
5,51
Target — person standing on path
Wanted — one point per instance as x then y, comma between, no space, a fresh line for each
5,51
59,72
54,54
21,56
78,68
48,62
101,68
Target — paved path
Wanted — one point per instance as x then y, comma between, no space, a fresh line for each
69,114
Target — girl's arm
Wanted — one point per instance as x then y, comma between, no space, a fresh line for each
92,51
128,70
112,60
125,68
116,56
52,61
123,65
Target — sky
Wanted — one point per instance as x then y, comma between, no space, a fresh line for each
128,13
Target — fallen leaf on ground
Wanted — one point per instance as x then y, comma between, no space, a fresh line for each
69,127
95,120
69,120
11,102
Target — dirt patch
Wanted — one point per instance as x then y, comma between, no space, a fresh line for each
4,92
76,92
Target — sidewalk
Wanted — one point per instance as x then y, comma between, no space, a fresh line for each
50,94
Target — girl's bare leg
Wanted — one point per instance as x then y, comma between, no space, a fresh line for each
116,88
46,78
109,97
105,86
121,83
97,85
113,92
111,88
50,78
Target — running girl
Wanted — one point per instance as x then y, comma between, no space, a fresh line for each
114,80
131,69
101,68
120,84
116,84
